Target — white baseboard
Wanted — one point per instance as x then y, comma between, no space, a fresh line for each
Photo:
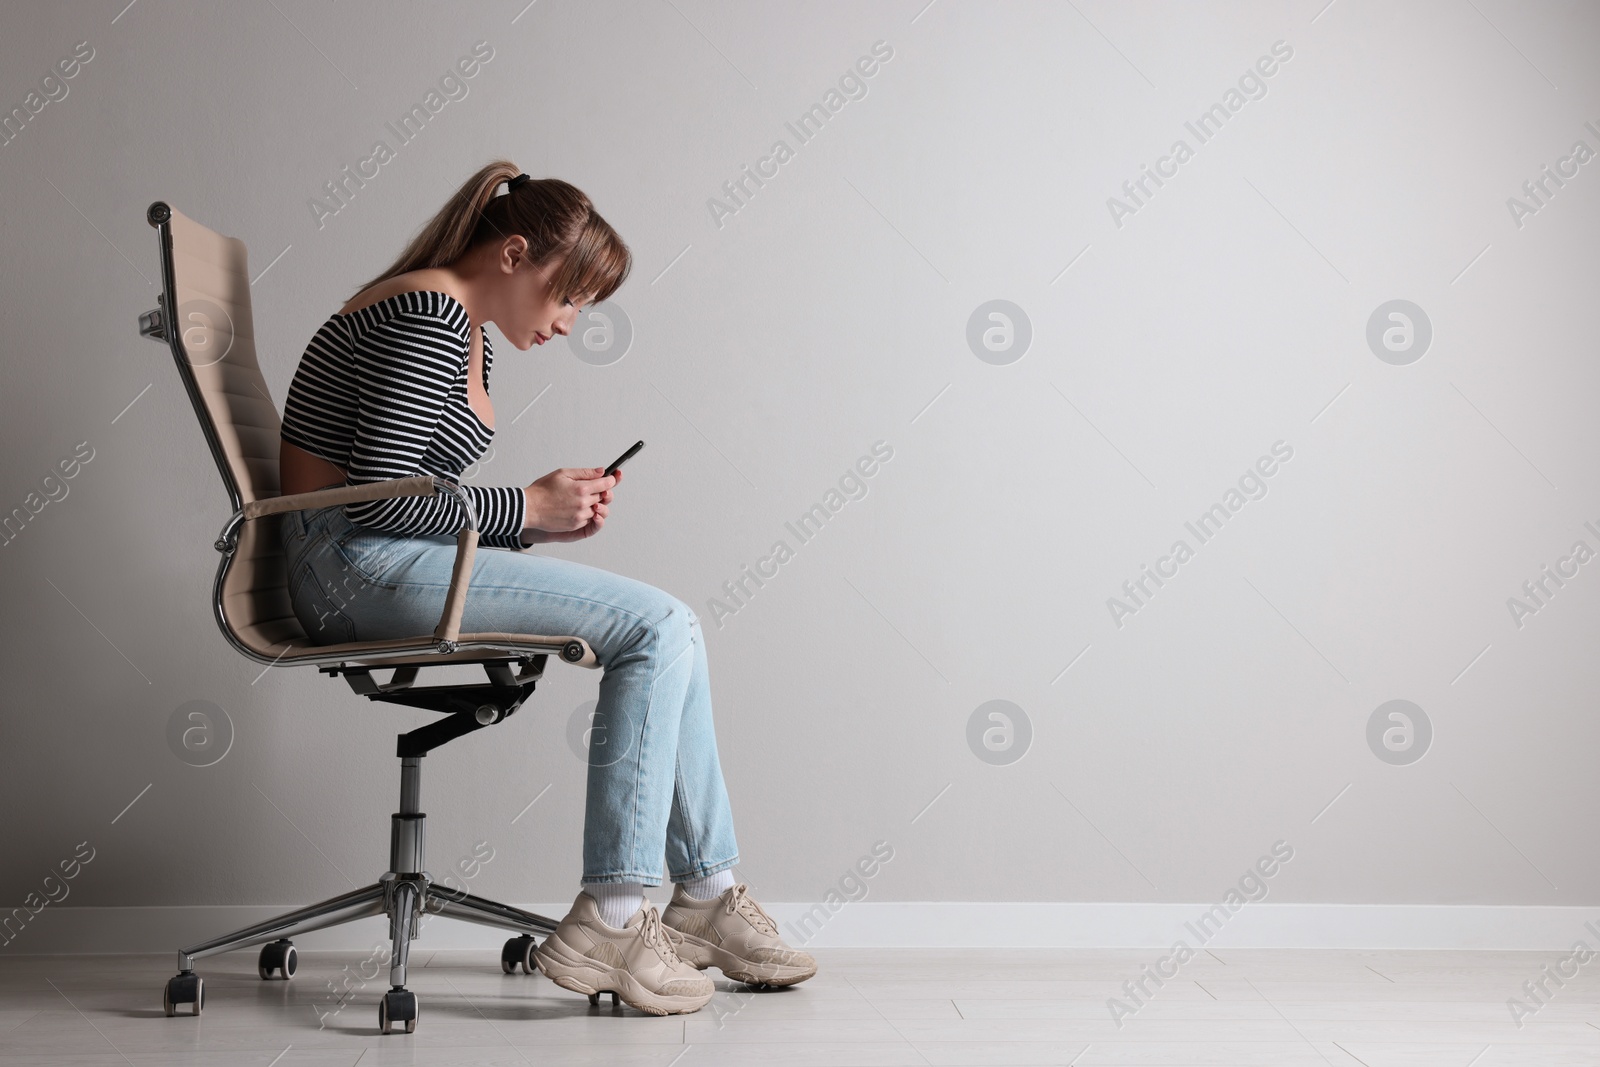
891,924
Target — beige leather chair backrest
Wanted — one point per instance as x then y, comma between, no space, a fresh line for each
210,304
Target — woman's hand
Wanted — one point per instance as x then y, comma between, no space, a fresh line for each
568,504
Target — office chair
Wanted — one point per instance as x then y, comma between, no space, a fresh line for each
203,315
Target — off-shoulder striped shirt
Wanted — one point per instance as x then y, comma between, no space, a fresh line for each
382,393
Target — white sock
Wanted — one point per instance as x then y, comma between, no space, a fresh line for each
712,885
617,900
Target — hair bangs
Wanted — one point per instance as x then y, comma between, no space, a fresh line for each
596,266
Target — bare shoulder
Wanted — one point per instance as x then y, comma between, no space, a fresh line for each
429,279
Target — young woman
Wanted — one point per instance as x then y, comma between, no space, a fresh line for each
397,384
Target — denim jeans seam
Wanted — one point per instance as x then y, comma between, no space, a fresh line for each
622,876
708,869
296,577
691,839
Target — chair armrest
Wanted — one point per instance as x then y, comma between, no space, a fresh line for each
448,633
420,485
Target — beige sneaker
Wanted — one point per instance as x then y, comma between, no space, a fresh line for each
638,963
735,934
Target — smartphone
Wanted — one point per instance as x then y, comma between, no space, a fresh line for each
620,460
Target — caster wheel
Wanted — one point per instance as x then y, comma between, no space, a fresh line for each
186,988
518,952
277,956
397,1005
594,998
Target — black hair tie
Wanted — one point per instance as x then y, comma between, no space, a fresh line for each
514,182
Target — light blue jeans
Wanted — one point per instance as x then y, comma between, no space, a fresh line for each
655,787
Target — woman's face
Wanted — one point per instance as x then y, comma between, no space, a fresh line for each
534,313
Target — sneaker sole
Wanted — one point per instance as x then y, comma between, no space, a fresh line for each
703,954
577,972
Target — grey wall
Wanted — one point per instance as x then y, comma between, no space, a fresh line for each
1174,342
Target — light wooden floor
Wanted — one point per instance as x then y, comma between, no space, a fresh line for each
1280,1008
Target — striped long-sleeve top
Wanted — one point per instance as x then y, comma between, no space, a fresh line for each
382,393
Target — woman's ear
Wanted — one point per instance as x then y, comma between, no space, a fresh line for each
513,251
